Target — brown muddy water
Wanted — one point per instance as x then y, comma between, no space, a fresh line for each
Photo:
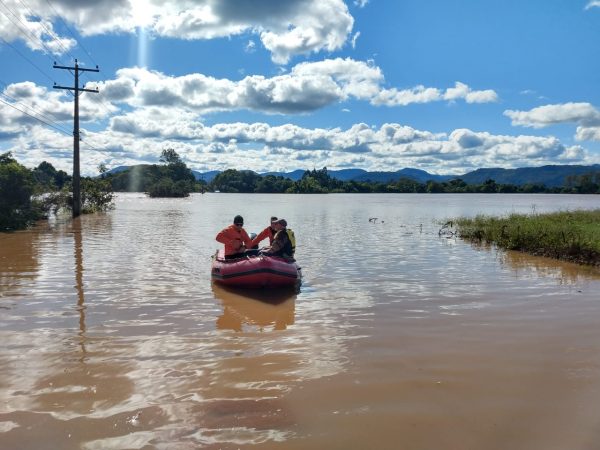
112,336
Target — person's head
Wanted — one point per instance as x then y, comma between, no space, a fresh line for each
273,220
238,221
279,224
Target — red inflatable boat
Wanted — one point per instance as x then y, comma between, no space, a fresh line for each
255,271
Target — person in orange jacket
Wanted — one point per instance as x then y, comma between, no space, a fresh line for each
235,238
268,232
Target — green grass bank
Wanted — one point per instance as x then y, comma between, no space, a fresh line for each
569,235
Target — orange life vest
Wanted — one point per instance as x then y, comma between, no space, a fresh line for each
233,238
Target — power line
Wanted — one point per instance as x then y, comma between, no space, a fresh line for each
27,33
47,119
86,143
71,32
102,103
31,37
49,32
26,58
34,40
24,30
80,44
48,123
29,107
57,39
34,117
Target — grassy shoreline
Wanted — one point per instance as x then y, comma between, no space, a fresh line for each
568,235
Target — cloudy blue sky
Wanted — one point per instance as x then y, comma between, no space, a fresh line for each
271,85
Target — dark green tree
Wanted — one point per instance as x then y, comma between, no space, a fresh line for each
97,195
47,178
232,180
170,156
457,185
489,186
174,180
434,187
17,210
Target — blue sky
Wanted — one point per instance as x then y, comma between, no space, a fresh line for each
267,85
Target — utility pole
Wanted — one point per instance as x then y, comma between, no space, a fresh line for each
77,90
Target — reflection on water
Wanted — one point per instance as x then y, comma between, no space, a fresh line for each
525,265
18,263
272,309
568,273
114,337
77,240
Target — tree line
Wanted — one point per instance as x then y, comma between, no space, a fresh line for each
175,179
320,182
27,195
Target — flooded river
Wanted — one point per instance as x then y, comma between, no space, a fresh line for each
112,336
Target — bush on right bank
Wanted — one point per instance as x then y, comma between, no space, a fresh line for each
568,235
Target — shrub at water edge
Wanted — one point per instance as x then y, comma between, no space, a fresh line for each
568,235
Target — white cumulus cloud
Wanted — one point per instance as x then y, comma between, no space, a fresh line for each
422,94
19,21
307,87
134,138
584,114
285,28
593,4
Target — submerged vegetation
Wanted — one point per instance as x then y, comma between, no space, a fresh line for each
569,235
27,195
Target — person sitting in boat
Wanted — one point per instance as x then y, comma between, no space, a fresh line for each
268,232
284,241
235,238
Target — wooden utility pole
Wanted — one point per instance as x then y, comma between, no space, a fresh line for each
77,90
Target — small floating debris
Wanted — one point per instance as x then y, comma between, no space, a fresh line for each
134,420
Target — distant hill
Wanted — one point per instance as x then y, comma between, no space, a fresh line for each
118,169
363,175
415,174
343,174
294,176
206,176
551,176
347,174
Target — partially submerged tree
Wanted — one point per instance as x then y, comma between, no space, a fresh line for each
29,195
17,210
176,179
